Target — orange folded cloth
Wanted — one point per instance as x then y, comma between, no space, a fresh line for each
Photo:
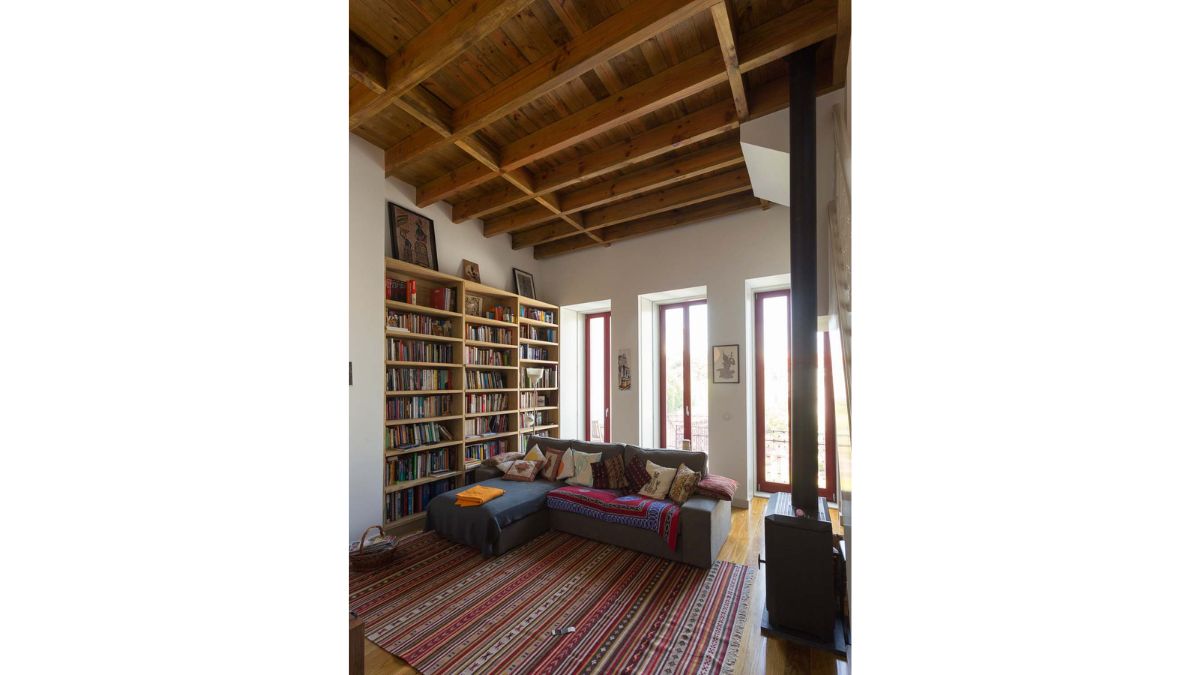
476,495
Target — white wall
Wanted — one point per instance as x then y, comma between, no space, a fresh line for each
370,192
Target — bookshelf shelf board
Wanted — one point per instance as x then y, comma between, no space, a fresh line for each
488,391
396,487
535,322
424,364
494,345
420,309
471,466
543,427
489,322
485,414
392,332
396,452
488,437
421,392
553,363
476,288
539,388
541,407
404,520
415,420
536,303
409,269
531,341
481,367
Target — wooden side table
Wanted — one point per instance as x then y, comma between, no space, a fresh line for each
357,646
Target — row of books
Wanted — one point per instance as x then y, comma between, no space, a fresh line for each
532,378
444,298
412,407
413,435
532,352
537,314
419,323
482,426
477,403
401,290
533,419
477,452
499,312
485,379
418,379
489,334
419,350
532,399
536,333
418,465
413,500
482,356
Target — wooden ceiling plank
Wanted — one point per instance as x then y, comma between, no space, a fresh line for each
841,49
469,175
726,34
529,216
367,65
806,25
441,42
655,223
487,204
574,24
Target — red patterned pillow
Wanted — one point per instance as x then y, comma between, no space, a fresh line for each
717,487
636,475
600,478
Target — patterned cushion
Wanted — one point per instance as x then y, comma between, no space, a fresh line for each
534,455
583,462
566,468
614,471
635,474
684,484
718,487
660,481
600,476
522,470
553,462
503,457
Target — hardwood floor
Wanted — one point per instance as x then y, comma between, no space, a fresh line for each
757,654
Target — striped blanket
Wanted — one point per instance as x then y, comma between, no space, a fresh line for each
608,506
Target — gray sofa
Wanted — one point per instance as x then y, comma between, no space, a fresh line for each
520,515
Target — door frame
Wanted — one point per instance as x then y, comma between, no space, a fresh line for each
687,368
587,374
760,422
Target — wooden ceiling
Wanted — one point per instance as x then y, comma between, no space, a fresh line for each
569,124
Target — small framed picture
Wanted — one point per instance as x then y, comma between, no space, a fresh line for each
413,240
523,281
726,365
471,271
474,305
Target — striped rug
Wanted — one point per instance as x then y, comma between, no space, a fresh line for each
445,609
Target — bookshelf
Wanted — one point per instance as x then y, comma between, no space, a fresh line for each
462,358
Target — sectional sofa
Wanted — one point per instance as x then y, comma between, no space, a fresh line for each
521,513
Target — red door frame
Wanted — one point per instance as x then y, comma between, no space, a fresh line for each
687,369
760,389
587,375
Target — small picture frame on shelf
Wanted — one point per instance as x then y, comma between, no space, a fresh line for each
474,305
413,239
523,282
726,364
471,271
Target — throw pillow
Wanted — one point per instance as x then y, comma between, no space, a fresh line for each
503,457
554,458
534,455
635,474
522,470
506,465
566,468
614,471
600,476
583,462
660,481
684,484
717,487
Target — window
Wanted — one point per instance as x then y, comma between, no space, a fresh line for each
683,374
597,377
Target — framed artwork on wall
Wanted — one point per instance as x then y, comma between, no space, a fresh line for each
471,271
523,282
726,365
413,239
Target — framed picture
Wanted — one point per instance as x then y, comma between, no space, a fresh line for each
624,372
471,271
413,240
474,305
726,364
523,281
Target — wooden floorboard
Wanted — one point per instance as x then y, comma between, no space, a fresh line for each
757,654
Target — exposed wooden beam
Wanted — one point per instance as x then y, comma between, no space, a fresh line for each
841,49
470,175
726,34
367,65
725,183
441,42
655,223
574,25
533,215
487,204
806,25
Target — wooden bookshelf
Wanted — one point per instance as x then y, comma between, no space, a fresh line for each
478,348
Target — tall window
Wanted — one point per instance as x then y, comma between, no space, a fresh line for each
597,377
683,374
773,396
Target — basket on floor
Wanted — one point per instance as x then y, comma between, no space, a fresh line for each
364,557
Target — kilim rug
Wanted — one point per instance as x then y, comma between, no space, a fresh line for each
445,609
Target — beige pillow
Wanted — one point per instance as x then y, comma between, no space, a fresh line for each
660,481
566,465
684,484
534,455
583,467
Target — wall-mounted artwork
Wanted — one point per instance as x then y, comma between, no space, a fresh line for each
726,365
523,282
470,271
624,372
413,240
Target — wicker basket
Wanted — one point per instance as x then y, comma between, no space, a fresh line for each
378,555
